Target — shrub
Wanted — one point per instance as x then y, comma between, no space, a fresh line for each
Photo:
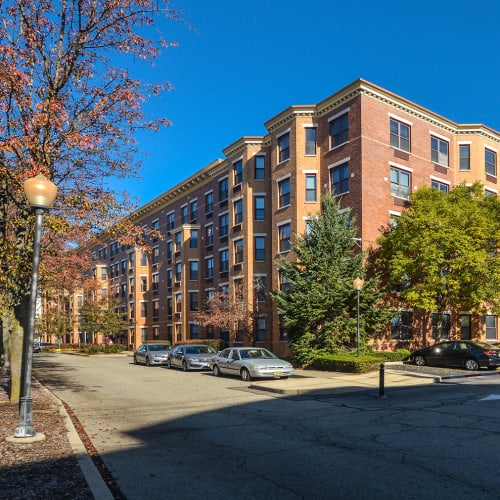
93,349
398,355
346,363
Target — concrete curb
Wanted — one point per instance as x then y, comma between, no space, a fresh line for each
468,376
95,481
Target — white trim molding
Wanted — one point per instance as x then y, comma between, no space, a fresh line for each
339,114
340,162
402,167
399,119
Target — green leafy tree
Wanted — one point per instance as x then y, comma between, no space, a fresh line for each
320,305
444,249
100,317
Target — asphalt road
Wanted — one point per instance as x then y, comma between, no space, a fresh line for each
166,433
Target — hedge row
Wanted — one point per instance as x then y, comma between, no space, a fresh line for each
351,363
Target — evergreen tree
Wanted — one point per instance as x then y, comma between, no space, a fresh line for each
320,306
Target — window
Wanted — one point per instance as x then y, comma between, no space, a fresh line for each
223,225
144,333
260,330
439,151
339,179
193,270
193,301
284,147
284,193
178,271
238,211
439,185
209,235
144,259
238,251
156,255
155,225
104,273
144,309
284,237
169,333
259,167
178,237
260,248
112,250
339,130
465,327
238,172
224,261
144,284
310,141
169,250
209,202
131,285
131,310
400,136
445,326
284,283
169,306
491,327
400,184
123,289
260,289
311,186
184,214
194,210
210,332
178,302
283,329
464,157
401,326
259,207
169,278
79,301
490,162
155,280
124,266
131,259
178,332
193,241
223,189
170,221
156,333
156,308
209,267
193,331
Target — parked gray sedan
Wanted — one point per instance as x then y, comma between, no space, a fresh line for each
152,354
250,362
191,357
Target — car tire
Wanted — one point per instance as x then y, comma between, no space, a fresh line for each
419,360
283,378
184,366
148,363
245,375
169,363
471,364
216,371
135,361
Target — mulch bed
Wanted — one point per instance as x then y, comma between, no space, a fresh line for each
47,469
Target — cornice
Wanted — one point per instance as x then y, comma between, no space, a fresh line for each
290,114
241,144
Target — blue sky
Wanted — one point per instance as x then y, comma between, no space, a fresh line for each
250,60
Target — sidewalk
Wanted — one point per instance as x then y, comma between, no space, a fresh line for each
313,383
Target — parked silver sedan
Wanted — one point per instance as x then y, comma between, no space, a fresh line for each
191,357
152,354
250,362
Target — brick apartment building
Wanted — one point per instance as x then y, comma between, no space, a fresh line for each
227,224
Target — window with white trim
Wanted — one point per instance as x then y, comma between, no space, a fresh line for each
339,130
400,183
464,156
439,185
310,133
284,193
284,237
439,151
490,162
284,147
311,187
339,179
400,135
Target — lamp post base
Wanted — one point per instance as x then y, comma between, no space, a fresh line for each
24,428
26,440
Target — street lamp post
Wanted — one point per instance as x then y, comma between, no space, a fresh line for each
358,285
40,193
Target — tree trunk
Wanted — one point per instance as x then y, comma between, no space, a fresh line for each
14,326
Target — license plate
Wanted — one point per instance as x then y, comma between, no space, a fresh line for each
278,373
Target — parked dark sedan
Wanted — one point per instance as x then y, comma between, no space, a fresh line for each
468,354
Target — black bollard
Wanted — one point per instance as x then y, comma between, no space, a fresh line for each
381,388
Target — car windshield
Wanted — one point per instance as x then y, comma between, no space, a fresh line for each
482,345
160,347
200,349
256,354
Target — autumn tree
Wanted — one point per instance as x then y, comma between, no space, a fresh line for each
69,109
319,304
444,249
232,311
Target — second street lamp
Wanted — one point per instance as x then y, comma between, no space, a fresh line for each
40,193
358,285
